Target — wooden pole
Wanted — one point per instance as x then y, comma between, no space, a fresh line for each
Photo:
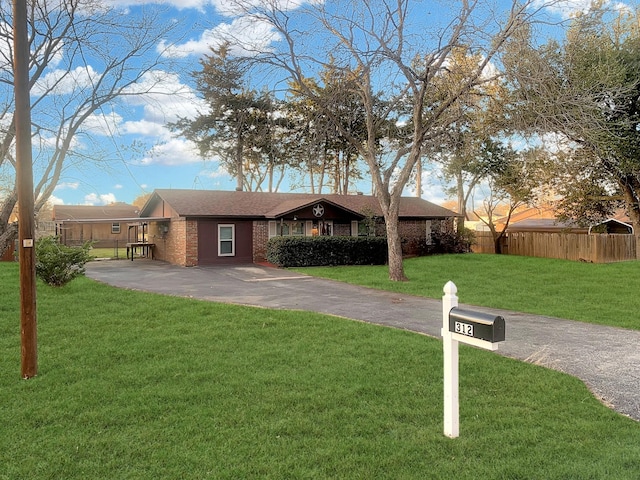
24,180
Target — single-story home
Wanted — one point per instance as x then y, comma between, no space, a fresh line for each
211,227
104,225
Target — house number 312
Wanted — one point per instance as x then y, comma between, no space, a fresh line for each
464,329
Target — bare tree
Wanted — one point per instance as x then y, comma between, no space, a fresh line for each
388,46
83,58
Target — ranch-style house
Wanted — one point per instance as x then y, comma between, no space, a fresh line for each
212,227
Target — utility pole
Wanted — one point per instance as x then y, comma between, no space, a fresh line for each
24,180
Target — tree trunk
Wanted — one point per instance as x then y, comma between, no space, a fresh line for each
394,244
497,244
347,174
270,172
239,165
8,237
633,211
462,204
8,231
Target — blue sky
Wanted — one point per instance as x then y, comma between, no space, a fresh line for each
162,160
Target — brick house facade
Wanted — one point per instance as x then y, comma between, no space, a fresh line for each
199,227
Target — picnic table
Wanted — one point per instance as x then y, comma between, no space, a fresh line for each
146,249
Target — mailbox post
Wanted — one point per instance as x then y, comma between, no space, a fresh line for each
450,350
458,325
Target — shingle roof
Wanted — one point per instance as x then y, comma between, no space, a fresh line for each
90,212
219,203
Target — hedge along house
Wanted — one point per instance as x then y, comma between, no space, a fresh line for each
212,227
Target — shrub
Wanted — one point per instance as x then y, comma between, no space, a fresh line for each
57,264
322,251
441,242
453,242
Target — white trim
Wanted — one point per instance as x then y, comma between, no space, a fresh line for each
273,228
611,220
326,222
232,239
354,228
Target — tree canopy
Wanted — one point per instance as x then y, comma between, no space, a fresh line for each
585,92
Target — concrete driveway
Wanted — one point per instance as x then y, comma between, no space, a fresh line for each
607,359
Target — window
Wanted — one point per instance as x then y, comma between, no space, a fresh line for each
297,229
226,240
286,229
115,228
366,228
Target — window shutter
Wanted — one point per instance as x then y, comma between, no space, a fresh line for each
354,228
273,228
308,228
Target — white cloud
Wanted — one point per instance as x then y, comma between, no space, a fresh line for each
220,172
53,200
164,98
146,128
117,186
102,123
64,82
173,152
246,36
99,199
67,185
234,8
568,8
230,8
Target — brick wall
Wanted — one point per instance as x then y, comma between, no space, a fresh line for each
413,233
170,246
342,229
260,239
191,253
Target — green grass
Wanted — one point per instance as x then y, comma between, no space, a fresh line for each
605,294
134,385
120,252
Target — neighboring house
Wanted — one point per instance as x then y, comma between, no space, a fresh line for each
209,227
104,225
544,220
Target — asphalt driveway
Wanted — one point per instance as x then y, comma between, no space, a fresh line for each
607,359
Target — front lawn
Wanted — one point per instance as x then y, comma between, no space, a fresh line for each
138,386
606,294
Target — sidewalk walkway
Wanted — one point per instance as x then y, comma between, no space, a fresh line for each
607,359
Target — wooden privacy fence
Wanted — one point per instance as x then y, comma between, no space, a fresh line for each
598,248
483,243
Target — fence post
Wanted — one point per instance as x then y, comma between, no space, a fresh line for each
450,350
